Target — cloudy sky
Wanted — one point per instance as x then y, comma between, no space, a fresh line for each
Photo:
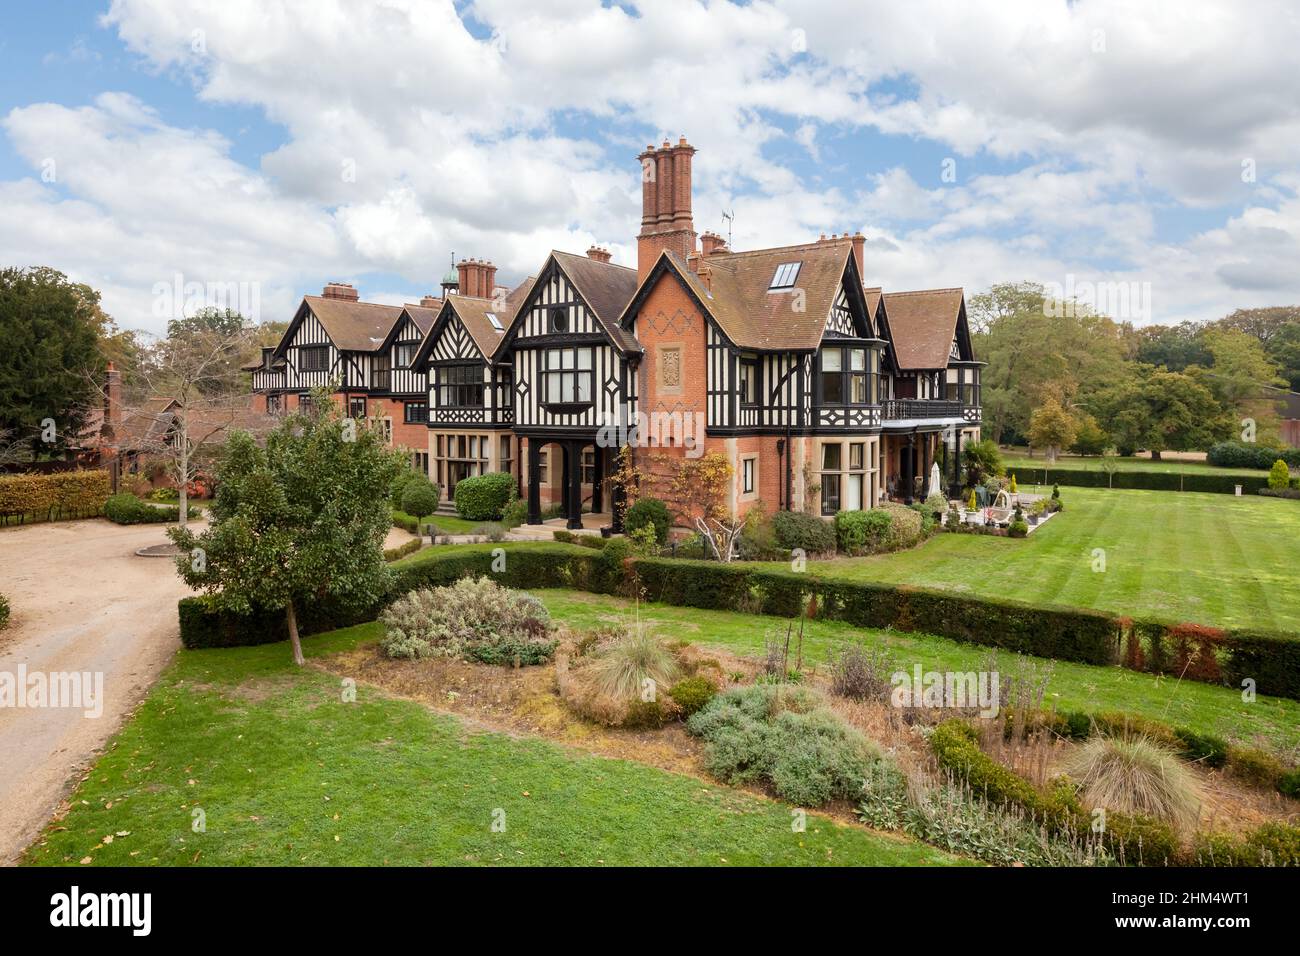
283,143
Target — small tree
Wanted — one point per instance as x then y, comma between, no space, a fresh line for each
1279,476
697,491
1051,427
1110,465
300,520
419,498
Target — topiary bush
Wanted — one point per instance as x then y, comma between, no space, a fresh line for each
420,497
1279,476
484,497
473,619
795,529
4,611
399,485
648,511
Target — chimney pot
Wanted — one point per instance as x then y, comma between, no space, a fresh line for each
340,290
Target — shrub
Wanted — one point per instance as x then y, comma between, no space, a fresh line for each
648,512
484,497
1288,784
643,541
515,513
1018,528
693,693
128,509
795,529
1232,454
4,611
1279,476
1255,766
785,737
399,485
420,496
1135,775
474,619
981,460
1202,748
758,537
860,674
937,503
862,532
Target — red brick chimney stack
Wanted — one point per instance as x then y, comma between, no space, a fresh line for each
478,278
430,302
340,290
859,253
113,395
599,253
711,242
667,221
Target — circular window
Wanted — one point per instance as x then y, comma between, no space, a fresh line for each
559,319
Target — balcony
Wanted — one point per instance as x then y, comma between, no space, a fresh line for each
909,409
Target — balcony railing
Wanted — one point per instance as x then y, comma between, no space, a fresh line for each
908,408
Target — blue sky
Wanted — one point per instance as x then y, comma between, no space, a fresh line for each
213,139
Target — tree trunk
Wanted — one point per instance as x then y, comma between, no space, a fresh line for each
1155,456
293,635
183,472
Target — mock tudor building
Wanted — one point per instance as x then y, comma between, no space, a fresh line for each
824,393
364,353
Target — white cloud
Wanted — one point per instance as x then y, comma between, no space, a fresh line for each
409,134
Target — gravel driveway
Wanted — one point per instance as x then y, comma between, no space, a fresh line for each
81,601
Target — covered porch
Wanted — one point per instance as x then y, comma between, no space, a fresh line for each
570,470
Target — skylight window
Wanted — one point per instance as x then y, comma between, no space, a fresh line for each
496,323
786,273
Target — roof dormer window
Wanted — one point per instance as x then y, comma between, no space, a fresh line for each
496,323
785,276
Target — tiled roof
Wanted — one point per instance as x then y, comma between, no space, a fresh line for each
354,326
473,313
923,325
607,288
424,317
737,292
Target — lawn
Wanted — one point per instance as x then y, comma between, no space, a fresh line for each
1218,710
1023,465
287,773
446,524
1179,556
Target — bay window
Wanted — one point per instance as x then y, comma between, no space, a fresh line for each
567,376
849,375
460,386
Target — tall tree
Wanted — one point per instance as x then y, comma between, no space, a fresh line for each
198,394
1051,427
299,521
1161,411
49,356
1244,379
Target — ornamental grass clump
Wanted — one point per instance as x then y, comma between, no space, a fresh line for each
1136,776
623,678
473,619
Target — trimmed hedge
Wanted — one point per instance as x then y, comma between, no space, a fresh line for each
1081,635
648,511
128,509
1235,454
54,497
1147,480
1292,493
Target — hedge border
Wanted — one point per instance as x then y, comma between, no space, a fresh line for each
1196,652
1144,480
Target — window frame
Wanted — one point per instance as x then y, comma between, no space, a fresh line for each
751,395
418,419
460,384
568,374
306,365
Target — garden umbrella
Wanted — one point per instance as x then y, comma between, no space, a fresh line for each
936,481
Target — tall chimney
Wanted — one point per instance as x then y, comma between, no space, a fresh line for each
113,395
666,218
430,302
467,270
340,290
599,254
859,247
489,279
